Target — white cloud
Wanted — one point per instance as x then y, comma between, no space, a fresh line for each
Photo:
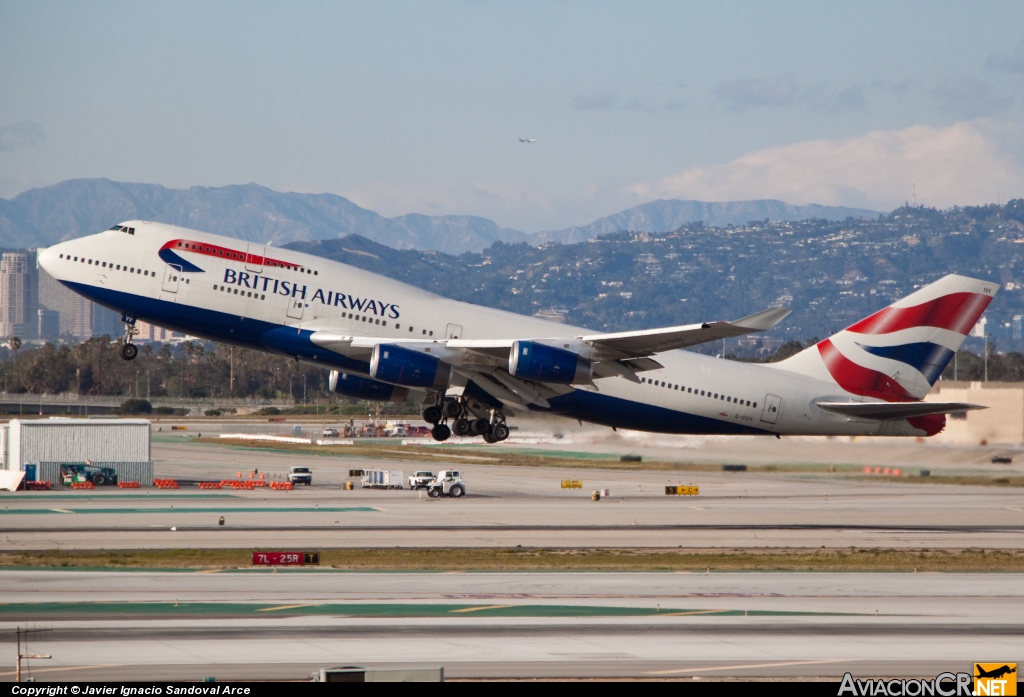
21,134
963,164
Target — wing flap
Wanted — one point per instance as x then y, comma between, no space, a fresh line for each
884,411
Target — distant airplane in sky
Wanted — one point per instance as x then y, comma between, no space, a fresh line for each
527,140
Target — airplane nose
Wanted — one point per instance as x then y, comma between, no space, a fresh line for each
46,259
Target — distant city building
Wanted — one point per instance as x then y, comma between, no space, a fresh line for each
106,322
18,295
1017,327
151,332
48,326
55,296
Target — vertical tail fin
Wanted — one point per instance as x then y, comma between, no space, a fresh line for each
899,352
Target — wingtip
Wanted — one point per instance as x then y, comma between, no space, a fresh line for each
764,320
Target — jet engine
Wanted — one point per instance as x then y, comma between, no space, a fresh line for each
365,388
532,361
407,367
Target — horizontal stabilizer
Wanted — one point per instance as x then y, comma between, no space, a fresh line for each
883,411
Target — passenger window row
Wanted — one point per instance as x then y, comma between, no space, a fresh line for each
372,320
234,291
107,265
700,393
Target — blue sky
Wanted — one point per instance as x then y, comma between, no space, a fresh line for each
417,107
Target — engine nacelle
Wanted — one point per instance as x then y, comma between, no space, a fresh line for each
532,361
364,388
407,367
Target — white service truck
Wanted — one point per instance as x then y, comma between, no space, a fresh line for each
447,483
421,479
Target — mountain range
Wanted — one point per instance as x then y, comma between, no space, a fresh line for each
46,215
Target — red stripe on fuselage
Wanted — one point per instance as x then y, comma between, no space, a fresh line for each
956,312
212,250
857,379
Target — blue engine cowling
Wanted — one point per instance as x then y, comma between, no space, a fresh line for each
406,367
532,361
364,388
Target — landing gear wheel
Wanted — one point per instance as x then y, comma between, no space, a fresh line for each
129,351
499,432
456,491
434,493
432,415
488,438
99,479
479,426
462,428
441,432
452,410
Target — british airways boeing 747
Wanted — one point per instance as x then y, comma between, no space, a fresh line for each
472,367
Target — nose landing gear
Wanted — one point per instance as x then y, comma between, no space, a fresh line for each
128,350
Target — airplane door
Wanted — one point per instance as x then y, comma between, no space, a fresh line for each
172,275
295,307
453,331
772,407
254,257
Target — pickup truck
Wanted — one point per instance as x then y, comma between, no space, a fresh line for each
300,475
421,480
329,433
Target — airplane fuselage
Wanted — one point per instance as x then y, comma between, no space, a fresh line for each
272,299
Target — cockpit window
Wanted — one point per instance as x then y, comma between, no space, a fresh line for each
116,227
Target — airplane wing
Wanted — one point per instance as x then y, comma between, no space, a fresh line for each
883,411
650,341
619,354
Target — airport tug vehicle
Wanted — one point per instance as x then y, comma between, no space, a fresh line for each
447,483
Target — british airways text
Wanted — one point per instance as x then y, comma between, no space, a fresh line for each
292,289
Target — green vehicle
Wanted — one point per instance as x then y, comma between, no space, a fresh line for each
82,472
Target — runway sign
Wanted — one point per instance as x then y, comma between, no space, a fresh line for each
285,558
682,491
572,483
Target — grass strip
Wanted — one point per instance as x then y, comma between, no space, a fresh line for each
531,559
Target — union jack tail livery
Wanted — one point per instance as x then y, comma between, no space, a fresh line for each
898,353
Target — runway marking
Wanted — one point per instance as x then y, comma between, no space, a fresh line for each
483,607
689,612
752,665
697,508
210,571
133,511
283,607
460,457
66,668
1019,510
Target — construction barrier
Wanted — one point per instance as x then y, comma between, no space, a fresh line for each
884,471
179,428
572,483
128,485
83,485
283,486
165,484
208,485
37,486
682,491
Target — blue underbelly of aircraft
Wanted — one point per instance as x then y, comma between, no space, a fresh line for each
221,326
637,416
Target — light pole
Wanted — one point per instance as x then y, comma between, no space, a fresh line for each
986,356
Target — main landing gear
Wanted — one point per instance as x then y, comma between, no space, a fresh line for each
465,423
128,350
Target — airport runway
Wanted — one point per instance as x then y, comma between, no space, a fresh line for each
173,625
508,506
